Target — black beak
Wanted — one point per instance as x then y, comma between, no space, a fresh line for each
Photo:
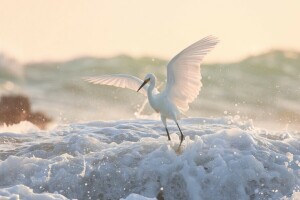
144,83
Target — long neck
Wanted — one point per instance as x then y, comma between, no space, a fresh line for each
150,89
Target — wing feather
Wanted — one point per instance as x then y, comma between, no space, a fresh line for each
183,71
119,80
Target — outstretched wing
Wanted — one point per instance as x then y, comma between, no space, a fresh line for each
119,80
183,71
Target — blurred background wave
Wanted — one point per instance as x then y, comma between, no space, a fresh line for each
264,88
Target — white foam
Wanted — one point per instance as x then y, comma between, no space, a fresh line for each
137,197
127,158
22,192
21,128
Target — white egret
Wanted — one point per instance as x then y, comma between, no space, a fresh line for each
183,82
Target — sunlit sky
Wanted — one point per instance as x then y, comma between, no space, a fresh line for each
36,30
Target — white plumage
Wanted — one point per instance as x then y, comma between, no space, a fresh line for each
183,82
119,80
183,72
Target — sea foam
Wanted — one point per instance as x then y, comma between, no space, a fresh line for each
221,158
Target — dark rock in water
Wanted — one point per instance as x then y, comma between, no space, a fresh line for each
160,195
39,119
14,109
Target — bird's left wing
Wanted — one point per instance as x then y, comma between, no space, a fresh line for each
119,80
183,71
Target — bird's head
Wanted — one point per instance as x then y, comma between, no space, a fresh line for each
148,77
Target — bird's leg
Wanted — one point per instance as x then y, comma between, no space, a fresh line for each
181,135
168,134
164,121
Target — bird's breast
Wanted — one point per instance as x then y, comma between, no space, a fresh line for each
163,106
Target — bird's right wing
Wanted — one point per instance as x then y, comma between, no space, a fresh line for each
119,80
184,77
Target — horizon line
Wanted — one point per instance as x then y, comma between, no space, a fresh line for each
9,57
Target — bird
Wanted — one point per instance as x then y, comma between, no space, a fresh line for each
182,87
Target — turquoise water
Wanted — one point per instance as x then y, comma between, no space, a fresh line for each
265,88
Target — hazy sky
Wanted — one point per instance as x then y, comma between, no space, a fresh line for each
32,30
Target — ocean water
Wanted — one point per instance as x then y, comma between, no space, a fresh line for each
264,88
242,138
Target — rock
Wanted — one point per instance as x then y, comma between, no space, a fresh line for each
17,108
